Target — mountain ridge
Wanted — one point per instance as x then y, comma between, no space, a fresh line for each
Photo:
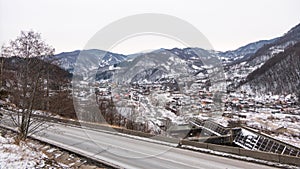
238,64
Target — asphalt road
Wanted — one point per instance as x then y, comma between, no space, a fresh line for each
132,153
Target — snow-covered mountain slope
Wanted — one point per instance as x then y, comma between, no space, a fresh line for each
152,66
280,74
171,63
268,51
237,72
243,53
191,53
67,60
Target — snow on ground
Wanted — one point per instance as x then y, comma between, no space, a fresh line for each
33,154
19,156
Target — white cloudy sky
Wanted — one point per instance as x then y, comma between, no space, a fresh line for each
69,24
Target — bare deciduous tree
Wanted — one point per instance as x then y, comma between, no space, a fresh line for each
28,84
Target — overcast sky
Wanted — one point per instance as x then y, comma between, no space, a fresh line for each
68,24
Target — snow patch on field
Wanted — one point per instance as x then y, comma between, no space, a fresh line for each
19,156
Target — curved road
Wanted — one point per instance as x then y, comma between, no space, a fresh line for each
128,152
